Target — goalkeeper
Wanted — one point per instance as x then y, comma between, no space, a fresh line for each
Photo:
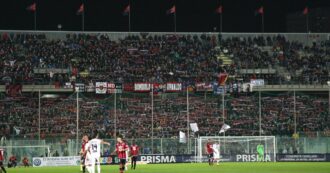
260,151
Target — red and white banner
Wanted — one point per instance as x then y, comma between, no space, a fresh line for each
173,87
111,87
142,87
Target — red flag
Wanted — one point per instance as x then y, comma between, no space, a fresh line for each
222,78
171,10
81,9
127,9
261,10
305,12
219,10
32,7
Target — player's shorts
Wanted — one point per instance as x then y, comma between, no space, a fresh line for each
89,160
96,158
134,158
216,156
1,163
122,161
210,155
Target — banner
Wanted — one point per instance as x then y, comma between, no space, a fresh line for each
90,87
257,82
80,87
302,158
56,161
108,160
155,159
68,85
149,159
158,159
114,88
142,87
245,157
173,87
101,87
204,87
193,158
241,157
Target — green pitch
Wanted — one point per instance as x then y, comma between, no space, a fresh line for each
293,167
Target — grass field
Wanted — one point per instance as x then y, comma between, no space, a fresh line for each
302,167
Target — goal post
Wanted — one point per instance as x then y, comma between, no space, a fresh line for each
26,151
238,148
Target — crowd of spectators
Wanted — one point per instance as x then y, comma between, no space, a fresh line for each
134,117
278,115
158,58
132,59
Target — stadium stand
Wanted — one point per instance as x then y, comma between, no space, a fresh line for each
189,59
144,58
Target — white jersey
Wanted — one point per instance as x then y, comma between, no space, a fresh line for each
216,151
89,160
95,148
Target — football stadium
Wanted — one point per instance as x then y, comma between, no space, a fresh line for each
165,86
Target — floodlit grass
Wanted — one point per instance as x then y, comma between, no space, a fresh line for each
279,167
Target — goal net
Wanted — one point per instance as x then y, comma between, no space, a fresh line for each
238,148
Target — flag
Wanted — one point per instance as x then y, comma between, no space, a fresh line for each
81,9
32,7
127,9
305,12
224,128
194,127
222,78
182,137
17,130
171,10
219,10
260,10
13,90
